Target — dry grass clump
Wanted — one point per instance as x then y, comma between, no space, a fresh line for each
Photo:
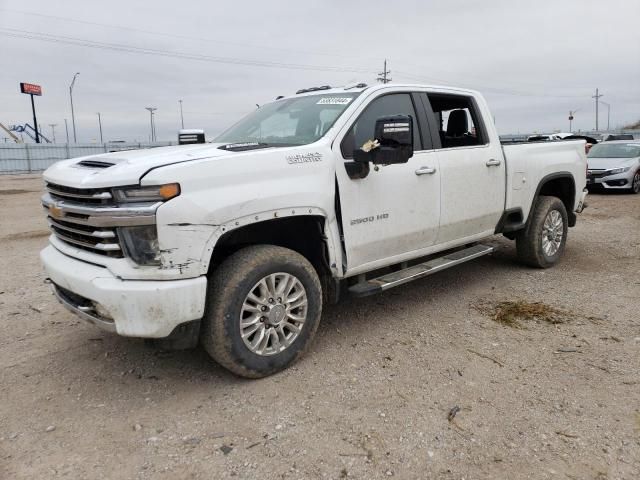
512,313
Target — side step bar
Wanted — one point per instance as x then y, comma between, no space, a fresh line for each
390,280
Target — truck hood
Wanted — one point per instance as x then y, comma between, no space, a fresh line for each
608,163
126,167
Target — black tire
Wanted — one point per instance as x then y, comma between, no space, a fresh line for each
529,242
229,287
635,183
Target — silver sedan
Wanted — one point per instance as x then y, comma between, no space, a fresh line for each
615,166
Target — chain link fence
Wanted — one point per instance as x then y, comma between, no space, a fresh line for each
34,157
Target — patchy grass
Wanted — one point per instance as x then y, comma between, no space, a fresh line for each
513,313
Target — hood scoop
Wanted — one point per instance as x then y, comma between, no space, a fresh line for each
95,164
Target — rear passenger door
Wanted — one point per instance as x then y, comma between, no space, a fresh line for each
471,166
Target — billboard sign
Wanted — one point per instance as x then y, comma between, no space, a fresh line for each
31,88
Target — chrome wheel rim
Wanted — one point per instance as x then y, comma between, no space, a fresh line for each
273,314
552,232
636,182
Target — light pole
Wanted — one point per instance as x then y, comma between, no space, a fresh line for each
73,117
100,125
608,112
53,131
571,114
153,130
181,116
66,127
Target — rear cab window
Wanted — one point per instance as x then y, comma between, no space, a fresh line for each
457,119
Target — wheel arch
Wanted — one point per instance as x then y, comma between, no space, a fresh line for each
561,185
303,230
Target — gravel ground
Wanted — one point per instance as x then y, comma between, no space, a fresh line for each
372,397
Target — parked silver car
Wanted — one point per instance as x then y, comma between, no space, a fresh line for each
615,165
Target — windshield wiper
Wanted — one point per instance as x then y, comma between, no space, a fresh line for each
241,147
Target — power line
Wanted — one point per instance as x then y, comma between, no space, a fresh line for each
178,36
11,32
51,38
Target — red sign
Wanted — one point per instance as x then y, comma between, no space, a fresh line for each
31,89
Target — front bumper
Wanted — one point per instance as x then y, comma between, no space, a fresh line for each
132,308
613,182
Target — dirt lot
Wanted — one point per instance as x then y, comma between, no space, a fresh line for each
372,397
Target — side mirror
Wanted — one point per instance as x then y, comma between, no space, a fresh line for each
393,142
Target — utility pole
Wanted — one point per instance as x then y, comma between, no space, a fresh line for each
73,117
597,97
53,131
153,130
66,127
100,125
181,116
608,112
383,76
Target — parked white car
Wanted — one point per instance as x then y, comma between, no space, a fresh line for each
615,165
329,192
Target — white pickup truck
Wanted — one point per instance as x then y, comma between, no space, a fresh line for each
329,192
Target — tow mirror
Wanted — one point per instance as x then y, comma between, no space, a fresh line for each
392,143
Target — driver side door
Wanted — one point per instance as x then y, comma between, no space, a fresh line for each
393,212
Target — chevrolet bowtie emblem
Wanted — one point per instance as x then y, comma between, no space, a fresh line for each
55,211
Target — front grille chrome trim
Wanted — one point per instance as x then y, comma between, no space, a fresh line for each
102,247
95,233
101,216
94,196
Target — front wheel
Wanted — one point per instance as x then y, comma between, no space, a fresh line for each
263,308
635,183
542,242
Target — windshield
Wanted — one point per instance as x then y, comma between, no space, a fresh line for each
291,121
615,150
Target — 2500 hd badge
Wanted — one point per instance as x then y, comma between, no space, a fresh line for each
372,218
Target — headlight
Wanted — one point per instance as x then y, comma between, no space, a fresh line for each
141,244
615,171
155,193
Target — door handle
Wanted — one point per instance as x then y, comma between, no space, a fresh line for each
425,171
493,162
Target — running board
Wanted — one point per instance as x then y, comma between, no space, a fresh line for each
390,280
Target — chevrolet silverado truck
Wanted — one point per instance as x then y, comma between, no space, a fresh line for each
329,192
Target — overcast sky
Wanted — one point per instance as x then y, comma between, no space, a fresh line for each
534,61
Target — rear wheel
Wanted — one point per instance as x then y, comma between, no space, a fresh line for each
635,183
542,242
263,308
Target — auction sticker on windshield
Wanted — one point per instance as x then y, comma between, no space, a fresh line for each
334,101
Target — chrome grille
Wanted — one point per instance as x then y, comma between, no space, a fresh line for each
94,196
75,228
88,218
95,239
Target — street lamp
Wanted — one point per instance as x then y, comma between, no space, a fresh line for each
53,131
153,129
73,117
571,114
608,112
100,125
181,116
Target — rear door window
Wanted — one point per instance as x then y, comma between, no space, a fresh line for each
458,121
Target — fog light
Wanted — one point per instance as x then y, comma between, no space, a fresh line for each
101,311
